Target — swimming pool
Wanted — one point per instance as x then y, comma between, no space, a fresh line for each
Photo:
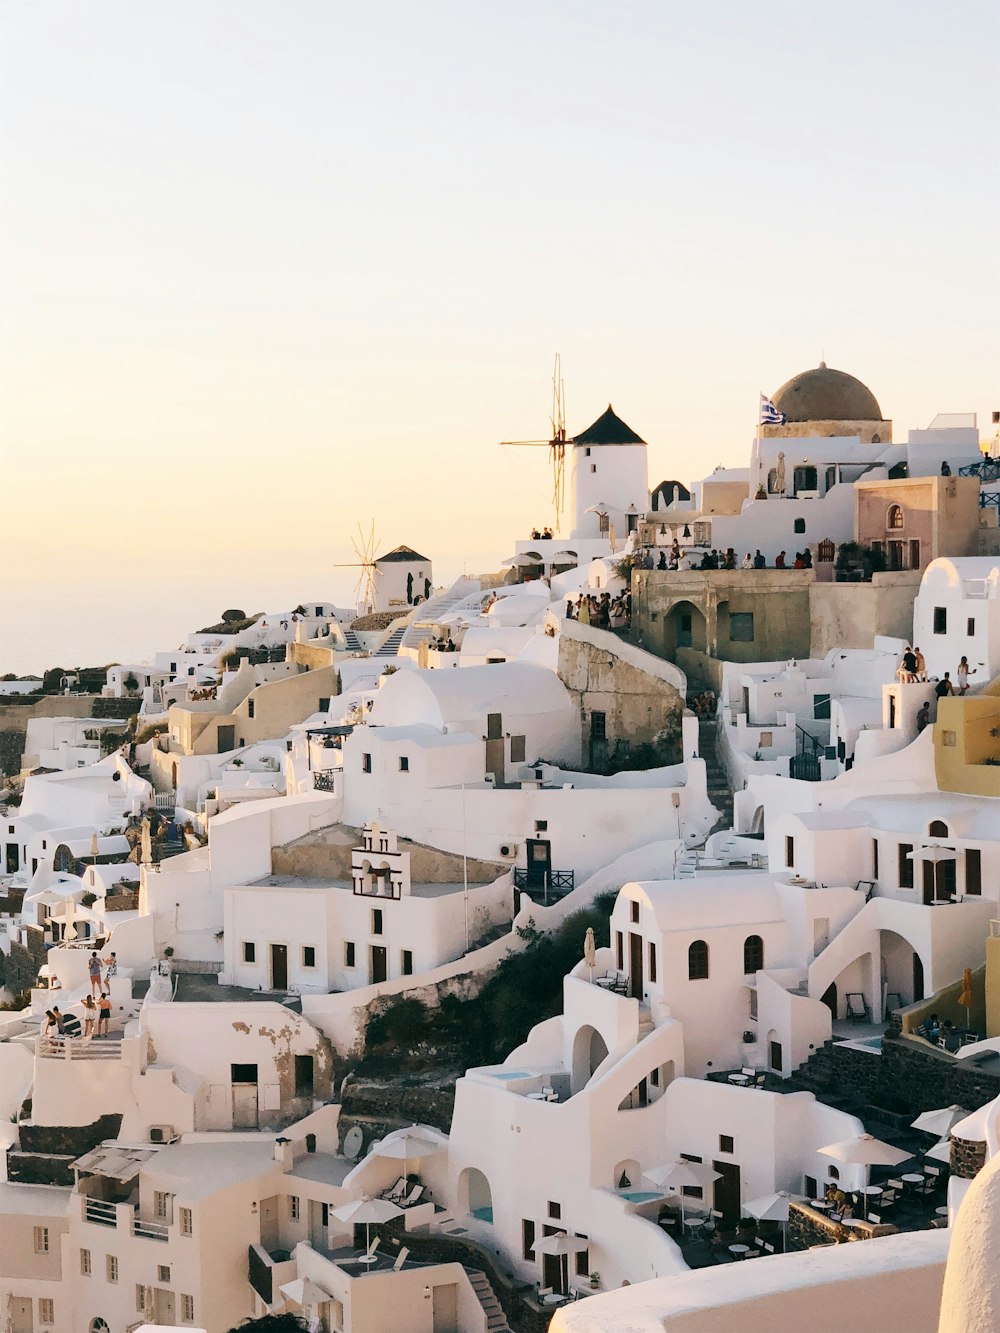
641,1196
873,1044
507,1074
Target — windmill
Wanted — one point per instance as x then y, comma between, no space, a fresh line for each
557,444
365,546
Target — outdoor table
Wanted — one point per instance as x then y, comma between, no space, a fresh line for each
821,1204
536,1096
912,1178
851,1221
365,1259
553,1298
874,1190
741,1080
739,1250
693,1223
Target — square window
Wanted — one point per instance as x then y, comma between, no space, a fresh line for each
111,1267
249,952
187,1222
799,525
766,740
163,1272
407,962
555,1210
46,1310
727,1143
366,763
349,954
293,1207
741,626
377,921
308,955
541,826
949,738
404,763
940,620
85,1267
41,1239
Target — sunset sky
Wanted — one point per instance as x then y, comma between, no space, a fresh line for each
271,268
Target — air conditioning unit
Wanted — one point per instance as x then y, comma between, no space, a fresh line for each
508,850
162,1134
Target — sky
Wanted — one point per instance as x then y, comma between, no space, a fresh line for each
269,269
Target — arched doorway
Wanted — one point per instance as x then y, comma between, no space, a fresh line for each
475,1195
901,972
589,1051
684,628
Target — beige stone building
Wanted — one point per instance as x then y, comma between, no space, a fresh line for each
913,520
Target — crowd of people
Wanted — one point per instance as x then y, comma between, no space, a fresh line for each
96,1019
544,536
677,559
912,670
601,610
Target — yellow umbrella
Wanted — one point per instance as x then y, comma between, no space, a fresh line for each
965,999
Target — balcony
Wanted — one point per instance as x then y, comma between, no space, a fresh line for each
545,886
104,1213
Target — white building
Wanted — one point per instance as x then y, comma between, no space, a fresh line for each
957,614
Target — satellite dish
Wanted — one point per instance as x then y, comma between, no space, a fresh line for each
353,1142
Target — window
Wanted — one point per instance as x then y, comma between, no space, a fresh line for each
766,740
163,1272
404,763
349,952
555,1210
789,851
303,1076
973,872
634,910
406,962
324,704
805,479
698,961
619,950
752,1009
970,626
494,726
741,627
366,763
111,1267
874,858
250,708
140,1297
308,955
727,1143
187,1309
799,525
583,1261
652,962
46,1310
940,620
518,749
249,952
593,468
598,726
938,829
41,1235
914,554
187,1222
894,517
541,826
753,953
85,1265
376,921
161,1205
905,866
528,1239
949,738
294,1210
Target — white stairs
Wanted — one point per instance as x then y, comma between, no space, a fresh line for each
391,646
431,612
496,1320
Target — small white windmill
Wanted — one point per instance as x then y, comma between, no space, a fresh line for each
365,546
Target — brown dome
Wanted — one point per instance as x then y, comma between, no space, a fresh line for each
826,395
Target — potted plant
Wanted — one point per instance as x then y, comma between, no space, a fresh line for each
595,1279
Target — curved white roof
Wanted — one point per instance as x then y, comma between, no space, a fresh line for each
442,698
706,903
974,817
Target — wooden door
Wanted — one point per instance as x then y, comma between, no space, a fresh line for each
379,963
244,1084
539,853
727,1193
495,747
19,1312
635,986
226,739
279,966
444,1308
269,1223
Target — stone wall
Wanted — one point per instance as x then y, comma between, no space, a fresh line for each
642,702
15,717
910,1076
967,1157
510,1291
850,615
380,1105
327,852
73,1140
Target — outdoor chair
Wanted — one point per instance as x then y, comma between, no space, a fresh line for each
749,1071
414,1196
400,1259
375,1243
896,1185
875,1219
887,1199
394,1191
761,1080
768,1247
857,1008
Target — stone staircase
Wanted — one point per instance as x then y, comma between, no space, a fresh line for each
719,792
352,641
817,1074
496,1320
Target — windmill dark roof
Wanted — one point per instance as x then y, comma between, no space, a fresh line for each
608,429
401,555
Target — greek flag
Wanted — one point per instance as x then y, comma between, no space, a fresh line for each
769,414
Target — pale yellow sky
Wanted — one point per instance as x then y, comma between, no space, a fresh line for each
269,269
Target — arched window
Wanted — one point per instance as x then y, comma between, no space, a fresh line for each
833,1172
805,479
753,953
894,517
938,829
698,961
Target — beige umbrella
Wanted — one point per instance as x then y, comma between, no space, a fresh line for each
681,1173
95,850
303,1291
408,1146
939,1122
865,1150
146,844
363,1212
590,950
941,1152
564,1246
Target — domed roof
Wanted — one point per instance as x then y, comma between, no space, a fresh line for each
826,395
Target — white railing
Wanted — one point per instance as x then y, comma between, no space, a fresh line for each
151,1230
79,1048
97,1210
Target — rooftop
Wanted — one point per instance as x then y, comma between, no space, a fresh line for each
608,429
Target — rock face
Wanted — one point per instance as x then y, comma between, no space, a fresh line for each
970,1301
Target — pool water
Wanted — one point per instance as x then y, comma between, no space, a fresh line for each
641,1196
484,1214
507,1074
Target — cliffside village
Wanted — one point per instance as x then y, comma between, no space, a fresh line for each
711,768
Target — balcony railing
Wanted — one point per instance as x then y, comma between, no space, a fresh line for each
97,1210
549,884
151,1230
79,1048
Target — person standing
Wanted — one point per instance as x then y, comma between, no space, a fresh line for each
112,969
944,687
923,716
90,1014
779,560
104,1015
962,675
921,664
94,969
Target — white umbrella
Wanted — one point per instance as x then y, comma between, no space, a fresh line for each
363,1212
563,1245
407,1146
941,1152
303,1291
771,1207
933,854
939,1122
590,950
681,1173
865,1150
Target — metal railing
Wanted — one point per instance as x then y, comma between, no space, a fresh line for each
551,883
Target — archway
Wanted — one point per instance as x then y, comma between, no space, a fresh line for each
475,1196
626,1175
589,1051
684,627
901,972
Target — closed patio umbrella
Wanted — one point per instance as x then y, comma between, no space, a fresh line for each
865,1150
965,999
363,1212
939,1122
590,950
564,1246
